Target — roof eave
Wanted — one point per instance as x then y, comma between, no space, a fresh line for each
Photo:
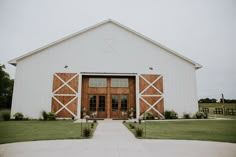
12,62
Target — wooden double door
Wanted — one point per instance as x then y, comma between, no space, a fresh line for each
108,97
117,105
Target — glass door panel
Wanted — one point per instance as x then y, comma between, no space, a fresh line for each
101,104
124,103
92,103
114,103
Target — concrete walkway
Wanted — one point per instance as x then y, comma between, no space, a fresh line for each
111,138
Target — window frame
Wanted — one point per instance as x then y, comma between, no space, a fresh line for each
93,84
118,83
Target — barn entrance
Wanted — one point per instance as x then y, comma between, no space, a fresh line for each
108,96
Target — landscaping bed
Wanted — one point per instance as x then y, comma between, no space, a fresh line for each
206,130
33,130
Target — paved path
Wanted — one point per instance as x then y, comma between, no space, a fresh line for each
112,139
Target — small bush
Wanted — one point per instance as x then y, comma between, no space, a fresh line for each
206,115
148,115
48,115
6,115
44,115
87,132
200,115
186,116
18,116
92,125
131,126
139,132
95,121
51,116
170,114
124,121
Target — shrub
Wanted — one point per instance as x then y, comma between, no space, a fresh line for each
131,126
170,114
148,115
51,116
200,115
139,132
44,115
186,116
87,132
206,115
92,125
95,121
18,116
6,115
124,121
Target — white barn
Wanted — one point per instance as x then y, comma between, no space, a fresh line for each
106,69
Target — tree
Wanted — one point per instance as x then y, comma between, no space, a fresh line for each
228,101
207,100
6,88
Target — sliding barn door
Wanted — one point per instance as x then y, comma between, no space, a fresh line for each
151,94
65,89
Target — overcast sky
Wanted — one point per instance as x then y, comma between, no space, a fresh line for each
202,30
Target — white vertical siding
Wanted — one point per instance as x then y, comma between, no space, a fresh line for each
108,48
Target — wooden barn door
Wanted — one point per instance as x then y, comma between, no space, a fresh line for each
151,94
65,89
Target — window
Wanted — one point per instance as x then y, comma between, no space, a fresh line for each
114,104
92,103
205,110
119,82
231,111
97,82
218,111
101,106
124,103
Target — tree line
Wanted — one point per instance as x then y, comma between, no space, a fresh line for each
213,100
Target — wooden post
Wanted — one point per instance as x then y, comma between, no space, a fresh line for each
223,101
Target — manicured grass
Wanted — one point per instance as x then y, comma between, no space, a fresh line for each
16,131
206,130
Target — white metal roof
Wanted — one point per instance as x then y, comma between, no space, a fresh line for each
14,61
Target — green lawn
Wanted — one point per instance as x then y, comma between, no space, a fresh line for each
16,131
206,130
